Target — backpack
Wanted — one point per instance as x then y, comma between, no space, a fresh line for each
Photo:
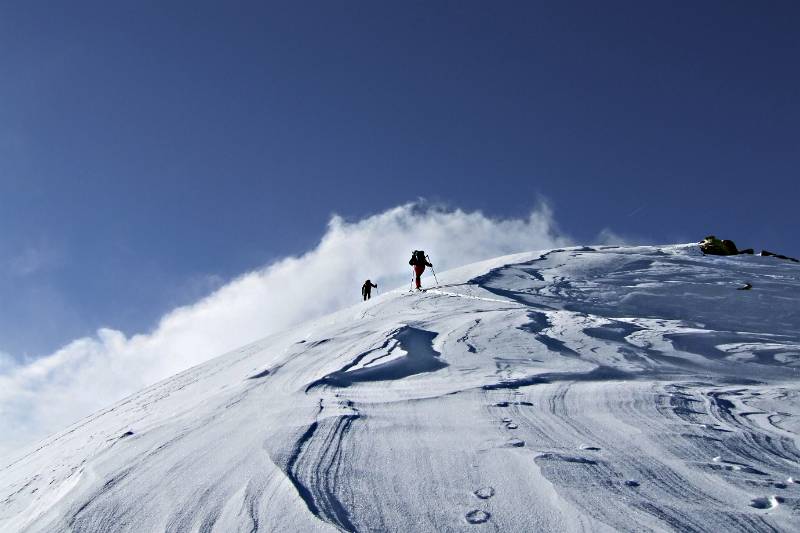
417,258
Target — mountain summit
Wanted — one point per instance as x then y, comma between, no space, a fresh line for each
604,389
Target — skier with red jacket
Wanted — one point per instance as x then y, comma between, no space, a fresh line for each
419,261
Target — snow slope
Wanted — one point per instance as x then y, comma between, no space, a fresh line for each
581,389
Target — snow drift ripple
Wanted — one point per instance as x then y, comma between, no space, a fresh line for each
599,389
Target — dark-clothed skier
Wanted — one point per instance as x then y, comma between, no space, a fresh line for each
419,262
366,289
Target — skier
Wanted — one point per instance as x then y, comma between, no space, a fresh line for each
366,289
419,262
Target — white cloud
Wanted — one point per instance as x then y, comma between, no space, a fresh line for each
40,397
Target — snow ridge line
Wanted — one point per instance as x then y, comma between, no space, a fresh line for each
327,378
469,296
420,357
305,494
315,484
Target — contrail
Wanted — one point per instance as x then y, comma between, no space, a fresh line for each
637,210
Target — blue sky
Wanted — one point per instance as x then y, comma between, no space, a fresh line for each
152,151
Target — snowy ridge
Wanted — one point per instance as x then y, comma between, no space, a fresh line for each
603,389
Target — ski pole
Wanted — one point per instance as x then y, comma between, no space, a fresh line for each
433,270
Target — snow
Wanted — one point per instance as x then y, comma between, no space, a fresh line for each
603,389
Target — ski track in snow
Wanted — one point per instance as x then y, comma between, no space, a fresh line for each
583,389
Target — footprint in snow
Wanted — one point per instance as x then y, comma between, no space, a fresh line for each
766,502
484,493
505,420
590,448
515,443
511,425
477,516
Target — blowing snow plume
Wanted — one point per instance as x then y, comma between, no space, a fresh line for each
89,373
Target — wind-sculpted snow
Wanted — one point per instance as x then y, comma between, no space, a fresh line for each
419,357
612,389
